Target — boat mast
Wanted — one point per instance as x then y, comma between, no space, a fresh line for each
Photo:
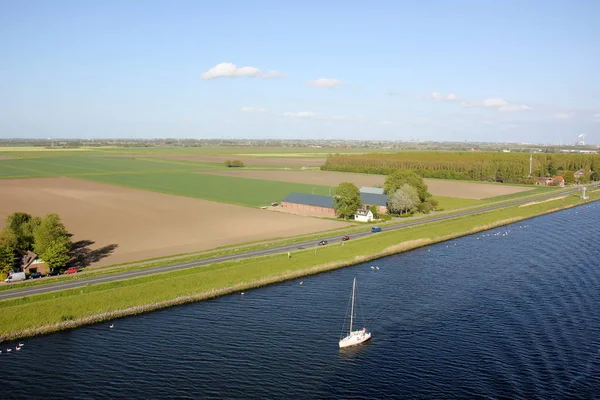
352,313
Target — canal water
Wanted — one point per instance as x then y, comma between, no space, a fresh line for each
508,313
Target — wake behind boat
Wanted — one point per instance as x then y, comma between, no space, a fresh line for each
354,337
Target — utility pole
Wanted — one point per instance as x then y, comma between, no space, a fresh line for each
530,163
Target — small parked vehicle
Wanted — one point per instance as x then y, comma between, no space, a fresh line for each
322,242
71,270
35,275
345,238
15,277
375,229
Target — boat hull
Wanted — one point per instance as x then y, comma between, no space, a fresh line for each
355,338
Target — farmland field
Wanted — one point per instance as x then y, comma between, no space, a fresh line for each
144,224
457,189
171,176
272,161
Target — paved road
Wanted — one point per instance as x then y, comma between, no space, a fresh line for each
51,287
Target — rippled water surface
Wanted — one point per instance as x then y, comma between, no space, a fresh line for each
508,313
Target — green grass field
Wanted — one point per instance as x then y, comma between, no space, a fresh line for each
31,312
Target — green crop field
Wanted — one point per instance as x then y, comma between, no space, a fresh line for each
176,177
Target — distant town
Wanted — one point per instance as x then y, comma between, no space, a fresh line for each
578,146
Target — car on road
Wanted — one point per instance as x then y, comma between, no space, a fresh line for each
35,275
345,238
322,242
71,270
375,229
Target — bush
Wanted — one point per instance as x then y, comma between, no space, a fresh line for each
424,207
234,164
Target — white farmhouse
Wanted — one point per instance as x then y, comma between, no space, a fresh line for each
363,215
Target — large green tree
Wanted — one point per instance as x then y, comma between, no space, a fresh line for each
8,251
52,242
346,200
56,254
403,200
22,226
394,181
569,177
49,230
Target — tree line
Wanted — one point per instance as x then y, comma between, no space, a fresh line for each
46,236
406,193
479,166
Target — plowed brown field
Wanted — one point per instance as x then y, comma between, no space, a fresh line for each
146,224
463,190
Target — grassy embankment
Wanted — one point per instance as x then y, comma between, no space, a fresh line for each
70,308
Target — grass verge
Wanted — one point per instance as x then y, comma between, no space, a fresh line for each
67,309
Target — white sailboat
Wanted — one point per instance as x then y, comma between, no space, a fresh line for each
354,337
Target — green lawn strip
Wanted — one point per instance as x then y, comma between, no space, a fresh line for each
20,317
533,191
452,203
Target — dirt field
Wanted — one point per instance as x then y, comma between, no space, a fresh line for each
274,161
5,157
146,224
463,190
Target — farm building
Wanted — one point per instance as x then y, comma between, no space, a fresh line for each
372,190
324,204
30,264
309,203
363,215
546,180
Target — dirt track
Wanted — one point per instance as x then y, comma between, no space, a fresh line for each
464,190
146,224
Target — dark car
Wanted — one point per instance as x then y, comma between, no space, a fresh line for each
35,275
322,242
345,238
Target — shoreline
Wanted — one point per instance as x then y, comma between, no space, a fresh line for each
280,277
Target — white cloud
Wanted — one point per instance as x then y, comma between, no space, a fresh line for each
503,105
438,97
231,70
300,114
321,117
562,115
386,123
325,82
253,110
597,115
495,103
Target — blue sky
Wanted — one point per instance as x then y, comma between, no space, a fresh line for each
486,70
